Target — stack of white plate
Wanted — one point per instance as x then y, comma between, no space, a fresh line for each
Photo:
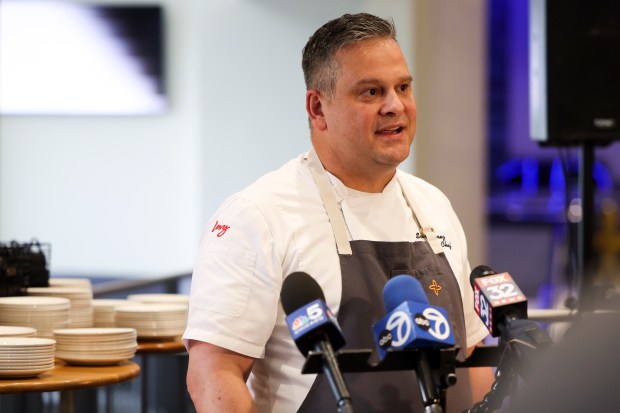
156,321
161,299
81,302
104,310
70,282
95,346
25,356
17,331
41,313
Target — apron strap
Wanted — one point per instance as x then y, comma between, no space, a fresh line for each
332,208
427,232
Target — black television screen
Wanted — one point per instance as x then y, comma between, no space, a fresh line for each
69,58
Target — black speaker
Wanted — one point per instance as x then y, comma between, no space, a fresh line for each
574,71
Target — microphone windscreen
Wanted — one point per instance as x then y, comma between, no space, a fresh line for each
299,289
402,288
480,271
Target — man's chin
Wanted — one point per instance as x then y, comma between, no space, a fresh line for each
393,158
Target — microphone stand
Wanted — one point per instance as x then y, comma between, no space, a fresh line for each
334,376
522,339
426,384
504,379
440,361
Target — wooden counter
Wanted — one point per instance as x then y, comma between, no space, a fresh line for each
67,377
155,346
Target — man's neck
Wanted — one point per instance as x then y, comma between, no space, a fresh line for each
370,180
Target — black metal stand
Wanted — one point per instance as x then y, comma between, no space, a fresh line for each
442,364
505,376
329,367
357,361
442,360
432,399
585,270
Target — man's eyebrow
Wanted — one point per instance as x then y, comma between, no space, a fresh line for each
404,79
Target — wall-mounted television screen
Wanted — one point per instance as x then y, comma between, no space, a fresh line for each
70,58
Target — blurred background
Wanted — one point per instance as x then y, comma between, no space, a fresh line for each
123,124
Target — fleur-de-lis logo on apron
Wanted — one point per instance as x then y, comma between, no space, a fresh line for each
435,287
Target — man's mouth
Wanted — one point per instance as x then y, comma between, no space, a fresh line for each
391,131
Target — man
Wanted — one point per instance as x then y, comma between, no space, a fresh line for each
341,213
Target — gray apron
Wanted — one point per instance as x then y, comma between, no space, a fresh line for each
366,266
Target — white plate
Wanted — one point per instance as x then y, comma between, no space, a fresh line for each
152,308
101,344
66,282
103,361
97,356
160,337
110,303
151,316
97,348
25,342
29,369
42,311
34,302
160,333
159,298
23,373
26,359
29,351
94,331
155,321
53,291
104,340
23,364
16,331
96,352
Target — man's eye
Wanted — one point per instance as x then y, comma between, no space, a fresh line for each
404,87
371,92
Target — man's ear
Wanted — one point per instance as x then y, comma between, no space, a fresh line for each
314,108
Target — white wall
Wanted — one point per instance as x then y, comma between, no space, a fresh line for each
113,195
130,196
450,143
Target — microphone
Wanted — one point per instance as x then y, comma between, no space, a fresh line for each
314,327
412,323
497,299
502,307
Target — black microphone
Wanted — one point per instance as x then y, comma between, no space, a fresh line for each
502,307
314,327
497,299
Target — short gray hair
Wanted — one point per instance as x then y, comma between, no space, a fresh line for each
318,56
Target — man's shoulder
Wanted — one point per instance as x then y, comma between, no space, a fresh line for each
286,174
291,181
